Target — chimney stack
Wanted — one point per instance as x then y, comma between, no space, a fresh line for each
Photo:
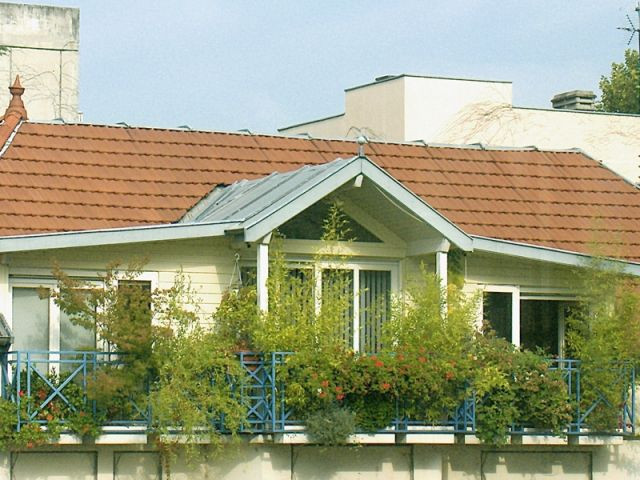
574,100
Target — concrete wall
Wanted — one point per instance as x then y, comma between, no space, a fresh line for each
44,50
305,462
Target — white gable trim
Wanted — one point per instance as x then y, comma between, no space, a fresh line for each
542,254
254,229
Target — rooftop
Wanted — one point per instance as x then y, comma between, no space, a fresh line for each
71,177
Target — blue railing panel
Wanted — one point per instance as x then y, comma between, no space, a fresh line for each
36,380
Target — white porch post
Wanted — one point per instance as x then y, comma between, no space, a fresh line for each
263,273
5,294
441,271
515,317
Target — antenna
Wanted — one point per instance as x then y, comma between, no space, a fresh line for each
632,28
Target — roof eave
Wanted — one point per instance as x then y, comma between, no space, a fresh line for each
114,236
545,254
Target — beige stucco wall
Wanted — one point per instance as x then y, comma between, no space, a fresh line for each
43,46
304,462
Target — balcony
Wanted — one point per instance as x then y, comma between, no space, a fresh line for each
43,385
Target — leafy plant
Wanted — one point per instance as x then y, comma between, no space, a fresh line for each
603,332
331,425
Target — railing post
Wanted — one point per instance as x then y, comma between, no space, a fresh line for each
17,387
578,396
273,391
633,399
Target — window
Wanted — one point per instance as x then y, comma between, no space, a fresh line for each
30,320
370,288
532,321
368,285
39,324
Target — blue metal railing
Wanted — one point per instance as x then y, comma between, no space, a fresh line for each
39,381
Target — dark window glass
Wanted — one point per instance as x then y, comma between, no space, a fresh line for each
309,225
497,313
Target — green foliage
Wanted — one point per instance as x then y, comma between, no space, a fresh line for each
331,425
236,319
603,331
169,362
621,90
515,387
31,435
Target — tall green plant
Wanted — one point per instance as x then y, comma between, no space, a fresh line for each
167,360
603,332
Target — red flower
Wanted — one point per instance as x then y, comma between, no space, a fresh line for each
42,394
448,375
49,417
322,394
30,445
379,363
21,393
338,389
325,383
422,359
385,386
340,396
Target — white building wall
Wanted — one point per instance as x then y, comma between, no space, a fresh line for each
43,48
458,111
209,264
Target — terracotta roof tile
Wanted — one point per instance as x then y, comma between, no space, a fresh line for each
75,177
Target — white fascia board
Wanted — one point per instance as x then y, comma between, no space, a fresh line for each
543,254
417,206
255,229
90,238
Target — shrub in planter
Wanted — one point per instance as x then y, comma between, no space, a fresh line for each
330,425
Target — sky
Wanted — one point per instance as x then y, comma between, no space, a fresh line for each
229,65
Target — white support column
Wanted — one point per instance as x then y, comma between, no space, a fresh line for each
5,293
441,271
263,273
515,317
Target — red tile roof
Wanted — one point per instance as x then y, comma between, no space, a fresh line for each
75,177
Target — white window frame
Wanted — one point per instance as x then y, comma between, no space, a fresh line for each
356,267
517,295
514,290
54,310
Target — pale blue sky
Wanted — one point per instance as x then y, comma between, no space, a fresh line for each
227,65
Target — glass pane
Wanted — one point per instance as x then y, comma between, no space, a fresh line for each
375,304
496,313
539,324
337,292
75,337
30,322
